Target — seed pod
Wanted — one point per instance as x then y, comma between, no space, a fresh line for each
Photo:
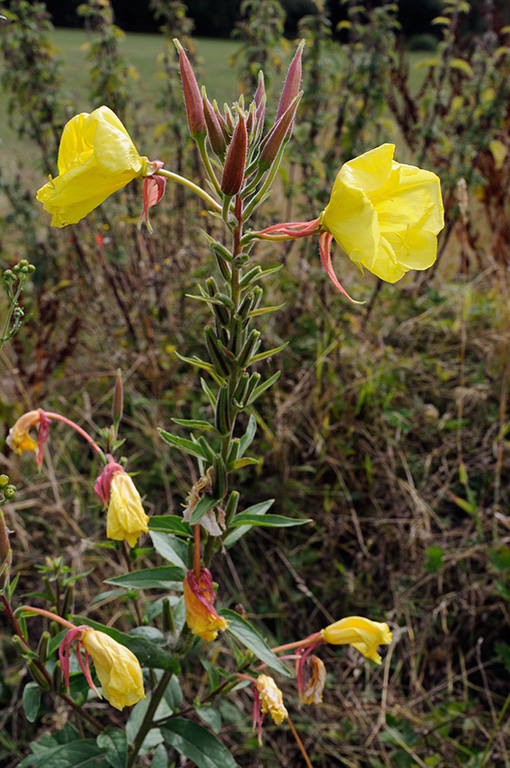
236,335
167,616
43,647
222,417
250,347
38,676
219,484
242,388
216,354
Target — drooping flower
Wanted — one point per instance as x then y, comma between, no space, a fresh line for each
117,668
19,435
385,215
365,635
271,699
201,615
96,158
125,518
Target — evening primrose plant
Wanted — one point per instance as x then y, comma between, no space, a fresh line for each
385,216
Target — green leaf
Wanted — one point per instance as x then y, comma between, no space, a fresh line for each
105,595
256,509
148,654
83,753
115,743
204,505
150,578
269,353
196,424
201,364
187,446
271,521
170,524
262,387
247,439
240,463
210,716
31,701
209,393
171,548
197,744
248,636
160,759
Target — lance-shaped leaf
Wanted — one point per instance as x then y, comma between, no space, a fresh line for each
197,744
249,637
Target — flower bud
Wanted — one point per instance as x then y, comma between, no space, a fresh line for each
235,161
214,129
274,139
292,82
192,98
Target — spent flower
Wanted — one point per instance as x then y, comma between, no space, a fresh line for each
125,518
201,616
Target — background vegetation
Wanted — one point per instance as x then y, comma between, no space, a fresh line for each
389,423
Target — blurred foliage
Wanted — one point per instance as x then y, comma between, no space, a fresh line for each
389,424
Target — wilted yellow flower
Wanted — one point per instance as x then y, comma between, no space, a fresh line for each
201,615
384,214
312,692
271,699
19,438
117,668
365,635
125,518
96,157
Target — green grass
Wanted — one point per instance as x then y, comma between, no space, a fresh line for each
142,51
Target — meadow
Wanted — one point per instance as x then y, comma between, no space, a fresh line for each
387,428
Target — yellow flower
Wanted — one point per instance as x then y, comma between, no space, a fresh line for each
125,518
385,215
18,438
117,668
363,634
201,615
96,157
271,699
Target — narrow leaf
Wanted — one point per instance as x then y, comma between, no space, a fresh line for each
196,424
170,524
150,578
180,442
271,521
204,505
256,509
115,744
248,636
197,744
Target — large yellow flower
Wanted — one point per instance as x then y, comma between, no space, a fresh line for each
125,518
365,635
117,668
385,215
96,157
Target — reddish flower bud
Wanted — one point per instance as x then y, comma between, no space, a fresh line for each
221,120
260,100
228,118
192,98
214,129
235,161
292,82
274,139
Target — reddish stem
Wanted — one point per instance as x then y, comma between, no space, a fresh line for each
78,429
49,614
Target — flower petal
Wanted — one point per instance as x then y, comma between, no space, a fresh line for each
369,171
351,219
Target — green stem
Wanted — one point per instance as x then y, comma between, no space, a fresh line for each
193,187
207,163
147,722
13,302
